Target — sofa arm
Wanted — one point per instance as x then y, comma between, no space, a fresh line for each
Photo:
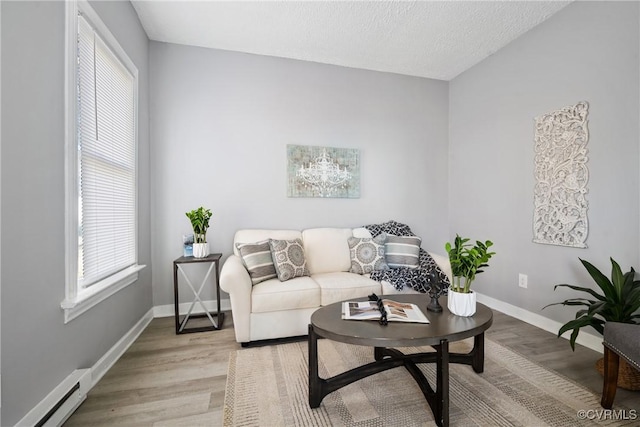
443,263
235,280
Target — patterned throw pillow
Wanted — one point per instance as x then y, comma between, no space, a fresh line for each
288,258
257,259
367,254
402,251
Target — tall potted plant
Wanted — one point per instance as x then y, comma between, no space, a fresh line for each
618,301
467,260
200,223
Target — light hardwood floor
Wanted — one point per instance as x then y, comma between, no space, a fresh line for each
165,379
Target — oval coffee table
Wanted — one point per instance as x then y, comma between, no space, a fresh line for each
444,328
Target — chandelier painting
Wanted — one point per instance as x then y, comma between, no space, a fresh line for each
323,172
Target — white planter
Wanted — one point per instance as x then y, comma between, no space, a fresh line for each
200,250
461,304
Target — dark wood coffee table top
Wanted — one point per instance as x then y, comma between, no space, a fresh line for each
328,322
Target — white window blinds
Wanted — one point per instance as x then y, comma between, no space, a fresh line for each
107,160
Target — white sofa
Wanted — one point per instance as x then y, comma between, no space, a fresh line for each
273,309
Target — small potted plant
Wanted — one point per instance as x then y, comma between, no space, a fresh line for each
200,223
467,261
618,301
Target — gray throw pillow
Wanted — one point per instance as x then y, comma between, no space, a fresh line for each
402,251
288,258
258,261
367,254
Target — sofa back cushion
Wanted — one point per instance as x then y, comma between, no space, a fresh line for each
326,249
362,232
258,235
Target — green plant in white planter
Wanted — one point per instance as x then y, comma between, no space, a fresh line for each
200,223
467,261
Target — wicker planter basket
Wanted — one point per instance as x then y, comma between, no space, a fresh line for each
628,377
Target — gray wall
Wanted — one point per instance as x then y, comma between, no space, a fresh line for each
38,349
220,124
587,51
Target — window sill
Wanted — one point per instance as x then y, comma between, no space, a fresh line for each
74,307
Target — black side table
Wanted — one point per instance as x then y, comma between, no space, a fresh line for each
214,260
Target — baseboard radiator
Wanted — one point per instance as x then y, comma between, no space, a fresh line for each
54,409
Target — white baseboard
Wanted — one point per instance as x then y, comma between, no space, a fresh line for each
111,357
168,310
588,340
75,398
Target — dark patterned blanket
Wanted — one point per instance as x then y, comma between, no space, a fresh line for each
415,278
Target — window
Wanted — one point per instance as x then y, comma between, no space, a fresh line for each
101,163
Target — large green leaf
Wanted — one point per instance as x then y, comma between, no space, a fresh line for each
601,280
597,307
572,339
630,285
633,304
581,289
576,324
577,301
573,301
617,277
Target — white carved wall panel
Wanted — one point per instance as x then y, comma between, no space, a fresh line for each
561,173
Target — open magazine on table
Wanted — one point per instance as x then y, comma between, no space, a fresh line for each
395,311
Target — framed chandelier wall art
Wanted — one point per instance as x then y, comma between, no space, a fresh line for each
561,174
323,172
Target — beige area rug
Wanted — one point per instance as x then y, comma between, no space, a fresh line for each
268,386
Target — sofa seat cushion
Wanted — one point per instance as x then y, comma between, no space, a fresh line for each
274,295
326,249
340,286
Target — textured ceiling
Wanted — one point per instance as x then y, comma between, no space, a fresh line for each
434,39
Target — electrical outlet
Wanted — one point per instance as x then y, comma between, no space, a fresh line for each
522,280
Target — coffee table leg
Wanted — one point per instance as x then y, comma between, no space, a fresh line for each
441,410
378,353
315,387
477,361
